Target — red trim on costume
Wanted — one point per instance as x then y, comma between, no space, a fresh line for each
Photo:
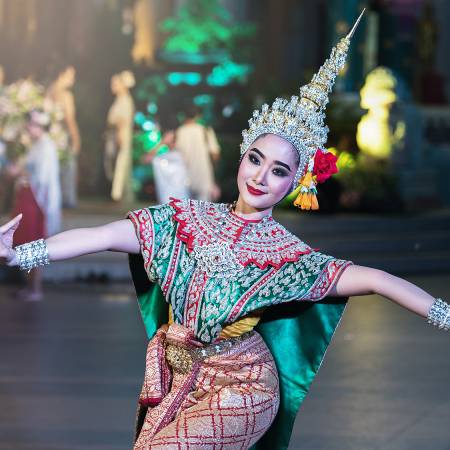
327,279
202,223
143,224
194,295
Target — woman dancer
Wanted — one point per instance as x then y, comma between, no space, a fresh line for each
245,304
37,194
60,93
120,119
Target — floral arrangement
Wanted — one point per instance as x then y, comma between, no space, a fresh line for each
17,100
321,167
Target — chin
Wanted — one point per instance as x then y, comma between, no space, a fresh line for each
262,202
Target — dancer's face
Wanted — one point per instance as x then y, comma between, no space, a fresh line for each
267,171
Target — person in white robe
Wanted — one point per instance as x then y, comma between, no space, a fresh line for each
199,147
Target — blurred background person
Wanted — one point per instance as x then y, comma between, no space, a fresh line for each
2,144
169,169
37,194
60,93
120,121
199,148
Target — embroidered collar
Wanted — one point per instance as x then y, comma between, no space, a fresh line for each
264,243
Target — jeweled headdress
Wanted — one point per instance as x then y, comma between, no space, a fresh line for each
301,121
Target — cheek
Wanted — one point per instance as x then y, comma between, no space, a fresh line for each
245,171
280,186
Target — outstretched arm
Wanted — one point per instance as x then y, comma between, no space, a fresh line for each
117,236
360,280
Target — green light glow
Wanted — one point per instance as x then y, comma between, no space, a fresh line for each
204,27
139,118
148,125
152,108
154,137
227,72
190,78
203,99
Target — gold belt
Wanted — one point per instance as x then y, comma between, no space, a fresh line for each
181,358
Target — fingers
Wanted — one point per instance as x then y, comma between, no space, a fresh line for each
11,224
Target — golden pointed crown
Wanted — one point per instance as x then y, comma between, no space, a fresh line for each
301,119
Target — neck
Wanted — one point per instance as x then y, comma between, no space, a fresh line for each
249,212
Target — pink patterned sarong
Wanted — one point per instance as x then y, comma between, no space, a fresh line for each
226,401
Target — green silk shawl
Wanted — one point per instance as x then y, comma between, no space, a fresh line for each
297,334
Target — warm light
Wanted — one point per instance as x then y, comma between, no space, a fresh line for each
374,136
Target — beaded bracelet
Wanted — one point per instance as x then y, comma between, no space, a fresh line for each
31,255
439,314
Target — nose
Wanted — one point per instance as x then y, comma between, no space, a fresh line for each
260,176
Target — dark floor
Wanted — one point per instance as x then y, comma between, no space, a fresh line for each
71,368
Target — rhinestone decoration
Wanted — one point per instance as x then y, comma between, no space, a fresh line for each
181,359
224,244
301,119
31,255
439,314
217,259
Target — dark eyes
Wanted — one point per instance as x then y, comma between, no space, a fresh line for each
277,171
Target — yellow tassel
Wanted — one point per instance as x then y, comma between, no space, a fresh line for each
298,200
306,201
306,180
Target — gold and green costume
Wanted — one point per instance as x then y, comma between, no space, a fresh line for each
218,274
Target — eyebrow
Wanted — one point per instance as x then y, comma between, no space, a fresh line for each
254,149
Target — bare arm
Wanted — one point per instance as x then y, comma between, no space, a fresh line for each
117,236
360,280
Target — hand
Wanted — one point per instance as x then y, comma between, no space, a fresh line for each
7,254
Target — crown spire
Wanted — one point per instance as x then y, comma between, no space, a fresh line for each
352,31
301,120
315,94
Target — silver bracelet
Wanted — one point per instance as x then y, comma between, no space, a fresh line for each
33,254
439,314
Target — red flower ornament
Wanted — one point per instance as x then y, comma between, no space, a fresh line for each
324,165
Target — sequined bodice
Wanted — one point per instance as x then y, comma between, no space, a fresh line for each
215,267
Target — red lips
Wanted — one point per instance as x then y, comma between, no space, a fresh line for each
254,191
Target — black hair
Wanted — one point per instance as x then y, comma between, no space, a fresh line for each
192,111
